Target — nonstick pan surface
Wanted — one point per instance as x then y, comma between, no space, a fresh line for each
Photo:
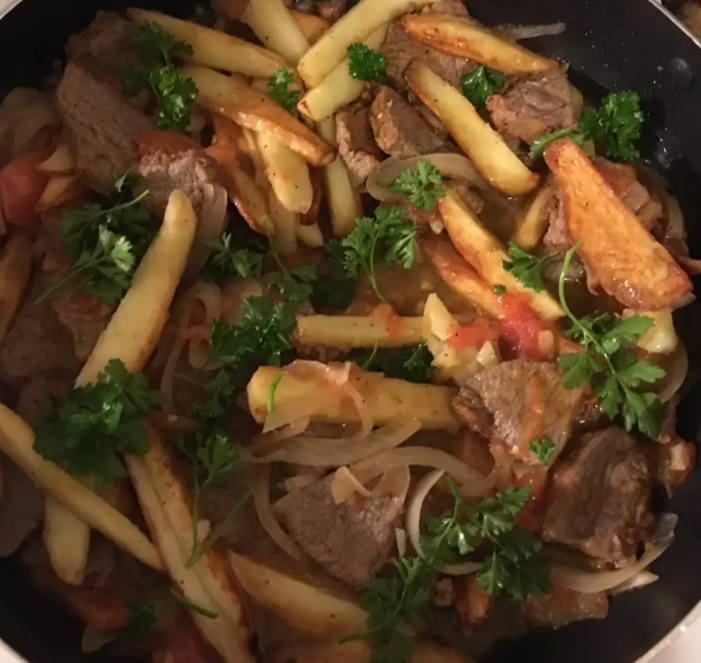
610,45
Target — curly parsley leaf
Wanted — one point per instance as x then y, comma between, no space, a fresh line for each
334,289
364,64
482,83
87,431
413,364
539,145
423,185
223,262
279,89
526,267
221,390
543,448
296,284
141,619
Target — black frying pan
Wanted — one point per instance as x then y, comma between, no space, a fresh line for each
611,45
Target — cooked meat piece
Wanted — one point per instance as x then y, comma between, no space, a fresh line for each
533,105
21,507
563,606
162,173
675,461
516,402
473,604
37,344
84,317
36,396
399,49
355,142
599,499
100,125
399,130
351,540
443,592
332,10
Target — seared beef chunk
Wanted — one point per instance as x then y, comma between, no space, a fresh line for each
533,105
399,130
675,461
599,500
355,142
516,402
563,606
473,604
21,507
331,10
161,173
100,124
351,540
84,317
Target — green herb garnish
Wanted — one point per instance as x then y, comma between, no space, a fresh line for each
224,263
271,392
423,185
526,267
364,64
141,618
543,448
192,607
499,289
279,89
334,289
481,84
413,364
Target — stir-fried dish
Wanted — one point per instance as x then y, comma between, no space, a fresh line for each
332,333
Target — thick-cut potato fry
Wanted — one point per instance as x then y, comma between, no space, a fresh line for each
358,23
628,262
275,26
487,149
339,88
284,222
15,270
343,201
468,39
61,162
17,442
255,110
486,254
287,173
345,331
532,224
66,539
387,400
60,190
310,235
213,48
301,602
312,26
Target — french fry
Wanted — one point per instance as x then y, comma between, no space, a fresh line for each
130,336
287,173
60,190
17,442
15,270
257,111
387,400
628,262
284,222
275,26
301,602
61,162
487,149
343,201
532,223
358,23
339,88
487,255
310,235
344,331
213,48
312,26
468,39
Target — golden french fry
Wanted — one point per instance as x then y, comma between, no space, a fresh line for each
468,39
255,110
213,48
272,22
15,270
628,262
60,190
61,162
345,331
487,149
301,602
533,222
310,235
339,88
284,223
358,23
311,25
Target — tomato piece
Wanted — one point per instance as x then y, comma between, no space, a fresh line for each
533,514
521,326
384,313
474,335
170,142
21,186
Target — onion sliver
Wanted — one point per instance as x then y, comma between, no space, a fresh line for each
325,452
592,582
676,374
643,579
452,166
413,524
519,32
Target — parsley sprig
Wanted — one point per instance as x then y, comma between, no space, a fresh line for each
279,89
613,369
89,430
175,93
527,267
141,619
364,64
413,364
481,84
224,262
389,238
423,185
543,448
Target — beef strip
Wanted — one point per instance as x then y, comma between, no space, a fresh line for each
516,402
100,125
564,606
399,130
533,105
599,499
675,461
84,317
161,173
352,540
355,142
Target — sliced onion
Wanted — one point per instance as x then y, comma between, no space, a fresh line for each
210,297
592,582
325,452
294,484
676,374
519,32
452,166
260,488
61,162
345,484
268,442
168,376
643,579
413,524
